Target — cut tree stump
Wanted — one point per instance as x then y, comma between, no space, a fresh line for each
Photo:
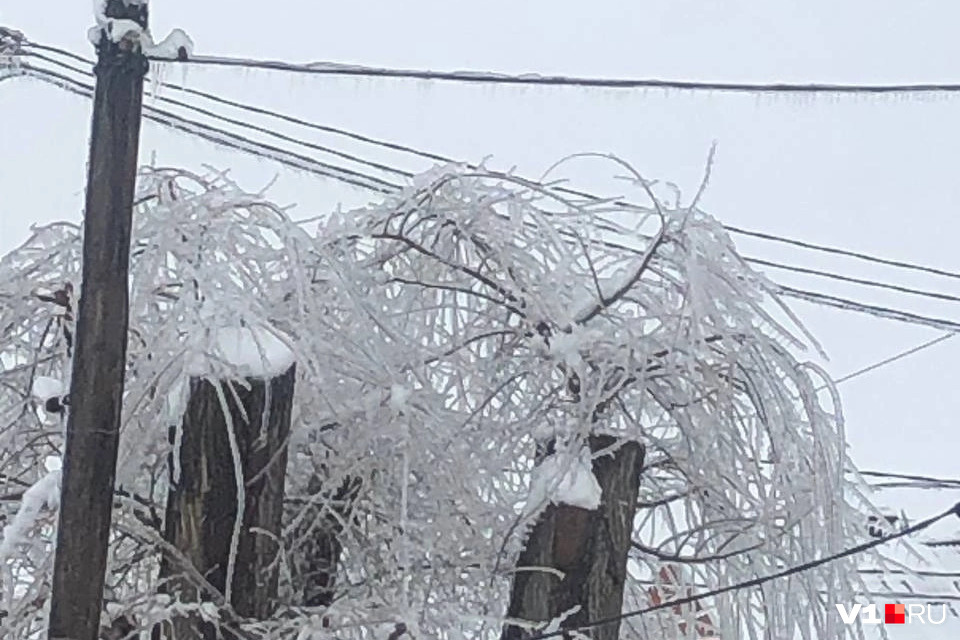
589,547
202,506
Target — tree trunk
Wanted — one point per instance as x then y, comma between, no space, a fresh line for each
202,506
589,547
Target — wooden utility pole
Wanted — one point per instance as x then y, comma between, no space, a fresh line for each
96,392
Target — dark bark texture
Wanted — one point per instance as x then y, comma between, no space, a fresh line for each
589,547
317,556
93,422
202,507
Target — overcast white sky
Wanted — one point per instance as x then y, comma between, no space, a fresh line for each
872,174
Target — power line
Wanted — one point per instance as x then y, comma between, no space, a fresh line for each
486,77
171,120
234,141
334,68
894,358
912,485
860,281
928,598
869,309
889,360
240,123
800,243
305,163
63,52
843,252
942,543
905,476
920,573
441,158
226,138
263,111
755,582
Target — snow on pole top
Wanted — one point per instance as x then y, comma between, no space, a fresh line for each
176,46
564,478
254,352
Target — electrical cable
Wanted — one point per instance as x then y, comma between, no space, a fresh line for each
485,77
266,112
305,163
843,252
861,281
441,158
226,138
905,476
238,142
755,582
269,132
869,309
894,358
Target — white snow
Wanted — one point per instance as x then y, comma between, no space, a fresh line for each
100,12
45,493
100,9
255,352
565,478
10,41
120,28
116,30
399,394
554,625
565,347
169,47
45,388
52,463
94,34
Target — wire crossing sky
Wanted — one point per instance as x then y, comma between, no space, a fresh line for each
756,582
359,179
485,77
789,147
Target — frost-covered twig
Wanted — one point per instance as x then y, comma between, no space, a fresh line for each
445,332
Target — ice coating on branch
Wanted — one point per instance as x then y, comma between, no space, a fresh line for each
399,395
10,43
566,346
45,493
564,478
465,290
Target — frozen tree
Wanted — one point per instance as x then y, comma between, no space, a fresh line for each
475,356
